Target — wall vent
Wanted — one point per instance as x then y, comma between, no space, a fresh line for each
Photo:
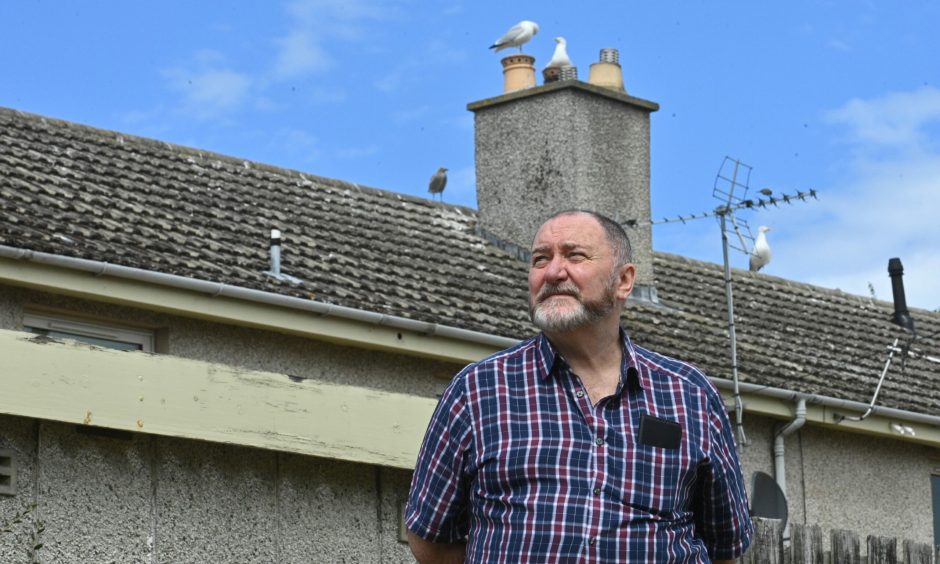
7,473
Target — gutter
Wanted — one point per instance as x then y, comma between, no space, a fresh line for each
826,401
422,327
215,289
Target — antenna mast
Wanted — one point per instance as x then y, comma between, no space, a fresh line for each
723,213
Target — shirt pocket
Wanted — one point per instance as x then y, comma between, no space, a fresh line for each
662,480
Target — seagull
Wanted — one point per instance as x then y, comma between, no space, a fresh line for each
520,33
761,254
560,56
438,181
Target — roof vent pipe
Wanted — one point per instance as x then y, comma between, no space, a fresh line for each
901,316
275,252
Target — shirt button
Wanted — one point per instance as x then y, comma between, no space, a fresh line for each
591,541
597,491
599,441
579,393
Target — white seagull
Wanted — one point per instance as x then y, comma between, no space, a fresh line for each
761,254
560,56
520,33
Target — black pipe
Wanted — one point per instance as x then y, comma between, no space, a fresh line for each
901,315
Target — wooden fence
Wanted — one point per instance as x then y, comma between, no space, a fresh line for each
806,547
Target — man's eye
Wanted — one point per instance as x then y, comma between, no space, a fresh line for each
537,260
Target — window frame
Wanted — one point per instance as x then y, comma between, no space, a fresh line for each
77,328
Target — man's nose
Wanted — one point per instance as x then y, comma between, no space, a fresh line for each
557,270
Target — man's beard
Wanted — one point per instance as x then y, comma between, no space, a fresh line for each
554,317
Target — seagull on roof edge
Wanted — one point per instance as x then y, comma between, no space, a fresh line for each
760,255
519,34
560,56
438,182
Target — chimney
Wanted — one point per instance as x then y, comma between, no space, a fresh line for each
563,145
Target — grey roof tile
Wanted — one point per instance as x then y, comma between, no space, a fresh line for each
84,192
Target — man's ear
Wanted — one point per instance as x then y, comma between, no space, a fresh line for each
625,281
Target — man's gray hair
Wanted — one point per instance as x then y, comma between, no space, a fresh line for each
616,236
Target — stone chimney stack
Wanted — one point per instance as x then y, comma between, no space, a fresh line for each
568,144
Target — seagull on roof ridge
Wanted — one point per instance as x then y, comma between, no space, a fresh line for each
438,182
760,255
519,34
560,56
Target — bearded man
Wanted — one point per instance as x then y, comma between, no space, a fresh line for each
577,445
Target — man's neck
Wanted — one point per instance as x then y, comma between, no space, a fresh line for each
593,352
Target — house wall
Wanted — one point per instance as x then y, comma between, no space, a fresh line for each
132,497
837,480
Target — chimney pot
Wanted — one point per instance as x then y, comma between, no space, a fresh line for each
551,74
518,72
569,73
607,73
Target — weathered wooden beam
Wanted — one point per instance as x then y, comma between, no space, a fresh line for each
165,395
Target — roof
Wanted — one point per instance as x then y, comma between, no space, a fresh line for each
77,191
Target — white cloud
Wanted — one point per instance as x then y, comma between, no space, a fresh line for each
209,92
300,53
315,25
897,119
885,206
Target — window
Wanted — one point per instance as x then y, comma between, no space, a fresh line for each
98,334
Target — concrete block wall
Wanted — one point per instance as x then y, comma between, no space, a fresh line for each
140,498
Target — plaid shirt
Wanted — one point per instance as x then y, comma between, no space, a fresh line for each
518,459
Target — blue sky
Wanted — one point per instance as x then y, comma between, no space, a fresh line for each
842,97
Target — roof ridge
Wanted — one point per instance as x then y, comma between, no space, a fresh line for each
207,155
772,278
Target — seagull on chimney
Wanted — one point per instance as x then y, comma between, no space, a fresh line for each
560,56
519,34
438,181
760,255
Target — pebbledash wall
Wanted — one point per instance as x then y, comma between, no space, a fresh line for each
135,497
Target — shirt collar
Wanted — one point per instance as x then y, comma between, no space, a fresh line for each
630,374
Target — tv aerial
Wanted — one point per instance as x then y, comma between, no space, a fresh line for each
732,184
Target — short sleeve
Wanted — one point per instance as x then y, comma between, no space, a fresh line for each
721,514
437,502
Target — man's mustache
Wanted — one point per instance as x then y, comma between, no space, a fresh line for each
562,289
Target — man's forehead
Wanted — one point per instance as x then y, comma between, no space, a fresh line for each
575,229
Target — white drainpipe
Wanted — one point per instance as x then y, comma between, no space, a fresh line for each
780,462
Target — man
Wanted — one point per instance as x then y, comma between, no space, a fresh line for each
576,445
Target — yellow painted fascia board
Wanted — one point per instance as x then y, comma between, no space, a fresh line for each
821,415
223,309
170,396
